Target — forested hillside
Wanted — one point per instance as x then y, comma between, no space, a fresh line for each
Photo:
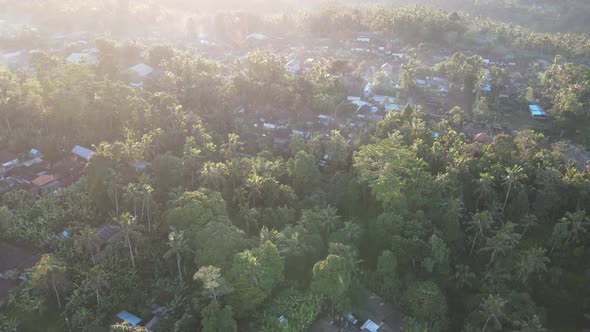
227,191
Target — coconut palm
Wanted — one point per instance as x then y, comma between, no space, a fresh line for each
96,279
178,246
492,308
329,218
129,230
513,176
87,243
485,187
531,261
480,224
502,242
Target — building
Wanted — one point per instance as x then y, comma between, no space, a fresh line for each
82,152
141,70
293,66
45,181
537,112
127,317
83,58
7,161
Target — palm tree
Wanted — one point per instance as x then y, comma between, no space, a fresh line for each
49,269
96,280
232,147
577,223
503,241
491,308
485,187
113,181
132,193
178,246
531,261
254,185
480,224
213,175
528,221
463,276
129,229
87,243
330,220
532,324
146,191
513,175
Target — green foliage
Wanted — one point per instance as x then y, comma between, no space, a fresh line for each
254,275
298,310
218,319
332,278
425,301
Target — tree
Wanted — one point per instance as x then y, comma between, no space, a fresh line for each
303,169
254,274
214,285
424,301
96,279
218,319
177,247
513,175
49,270
531,261
332,278
503,241
129,230
480,224
492,308
485,188
570,229
87,243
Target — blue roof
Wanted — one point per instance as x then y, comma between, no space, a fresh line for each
129,318
436,135
34,151
487,88
536,110
65,235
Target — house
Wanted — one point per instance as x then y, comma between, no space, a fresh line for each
256,36
141,70
82,58
106,234
370,326
387,67
82,152
537,112
45,181
483,138
141,165
7,161
125,316
325,120
293,66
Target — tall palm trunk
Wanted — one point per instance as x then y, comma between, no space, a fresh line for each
473,244
116,201
131,253
178,264
97,298
486,324
506,199
56,292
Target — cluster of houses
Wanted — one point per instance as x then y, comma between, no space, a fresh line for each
30,171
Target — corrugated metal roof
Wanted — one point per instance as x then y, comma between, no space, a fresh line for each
43,180
129,318
82,152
